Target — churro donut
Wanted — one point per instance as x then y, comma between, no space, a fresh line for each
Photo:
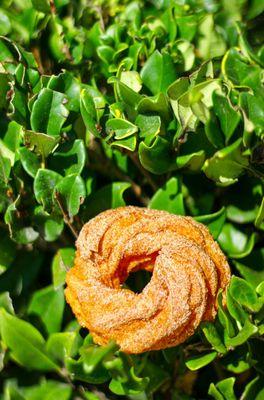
188,268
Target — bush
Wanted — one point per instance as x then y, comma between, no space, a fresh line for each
109,102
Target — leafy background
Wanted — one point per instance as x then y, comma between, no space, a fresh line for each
106,103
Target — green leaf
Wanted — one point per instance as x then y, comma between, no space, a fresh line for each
69,158
158,72
211,43
254,389
44,185
243,335
124,379
30,161
78,372
223,390
213,132
49,112
200,361
253,108
237,361
62,345
132,80
5,167
47,390
93,355
149,125
157,157
228,117
6,303
259,222
109,196
66,83
236,310
26,344
120,128
215,221
72,192
129,143
40,143
62,262
88,112
212,335
155,105
169,198
48,305
235,242
244,294
237,68
129,97
226,165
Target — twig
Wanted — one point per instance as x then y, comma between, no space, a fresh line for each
66,217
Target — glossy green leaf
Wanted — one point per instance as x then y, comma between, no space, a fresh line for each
77,372
48,305
6,303
62,262
235,242
47,390
69,158
244,294
72,192
120,128
49,112
223,390
156,158
254,389
61,345
214,221
158,72
200,361
132,80
228,117
88,112
26,344
227,164
169,198
44,185
40,143
30,161
212,335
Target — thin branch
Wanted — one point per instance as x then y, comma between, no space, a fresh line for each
66,217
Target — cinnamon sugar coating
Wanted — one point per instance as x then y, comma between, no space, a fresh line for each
188,268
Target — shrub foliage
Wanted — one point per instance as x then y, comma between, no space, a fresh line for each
110,102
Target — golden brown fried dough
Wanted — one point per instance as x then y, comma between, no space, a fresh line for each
188,268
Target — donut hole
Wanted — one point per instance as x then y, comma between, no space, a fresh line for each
135,271
137,280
